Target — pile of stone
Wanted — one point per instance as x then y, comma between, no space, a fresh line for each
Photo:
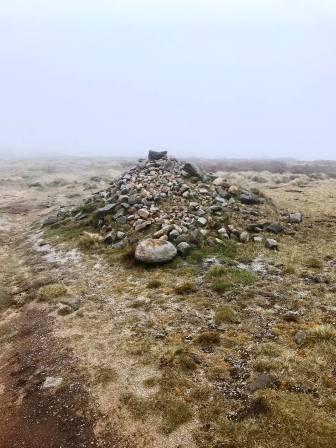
171,205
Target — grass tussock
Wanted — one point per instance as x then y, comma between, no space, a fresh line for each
225,252
185,288
226,314
89,241
105,375
208,338
272,419
154,284
289,270
66,232
323,332
173,412
221,278
314,263
52,291
127,256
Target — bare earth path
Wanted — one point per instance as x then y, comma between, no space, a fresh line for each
33,416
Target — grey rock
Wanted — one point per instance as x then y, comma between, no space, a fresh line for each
173,234
223,232
110,238
107,209
64,310
300,337
275,228
244,237
152,251
163,231
143,213
271,244
119,245
214,208
142,226
249,198
132,200
52,382
233,189
73,302
192,170
201,221
183,248
121,220
157,155
258,239
295,218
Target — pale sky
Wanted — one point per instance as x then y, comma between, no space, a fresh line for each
235,78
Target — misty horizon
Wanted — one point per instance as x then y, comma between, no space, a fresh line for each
199,79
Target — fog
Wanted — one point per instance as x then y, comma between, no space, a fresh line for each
240,78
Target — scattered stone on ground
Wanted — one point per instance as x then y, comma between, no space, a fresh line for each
295,218
300,337
52,382
271,244
64,310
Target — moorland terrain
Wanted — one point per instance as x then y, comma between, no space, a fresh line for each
231,344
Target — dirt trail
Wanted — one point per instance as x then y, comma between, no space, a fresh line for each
33,416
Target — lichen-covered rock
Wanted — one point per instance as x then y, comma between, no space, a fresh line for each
154,251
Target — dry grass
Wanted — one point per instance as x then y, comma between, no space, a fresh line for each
52,291
198,375
314,263
185,288
226,314
89,241
208,338
154,284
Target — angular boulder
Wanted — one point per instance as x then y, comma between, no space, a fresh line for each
249,198
157,155
275,228
153,251
192,170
